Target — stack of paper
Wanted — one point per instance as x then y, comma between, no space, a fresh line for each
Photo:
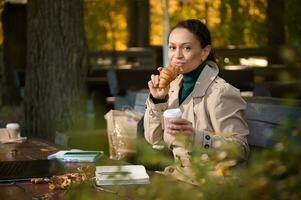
121,175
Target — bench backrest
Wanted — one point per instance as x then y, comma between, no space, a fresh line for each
263,114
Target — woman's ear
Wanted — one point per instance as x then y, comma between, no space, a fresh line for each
206,51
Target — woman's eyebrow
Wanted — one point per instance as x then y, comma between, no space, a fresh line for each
185,43
189,43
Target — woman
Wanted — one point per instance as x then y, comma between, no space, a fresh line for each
212,109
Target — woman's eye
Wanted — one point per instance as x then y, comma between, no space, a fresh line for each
172,47
187,48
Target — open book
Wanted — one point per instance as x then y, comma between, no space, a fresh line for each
121,175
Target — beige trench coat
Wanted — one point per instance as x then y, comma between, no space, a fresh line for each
214,107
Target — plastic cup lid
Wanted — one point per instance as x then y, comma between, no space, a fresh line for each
12,125
172,113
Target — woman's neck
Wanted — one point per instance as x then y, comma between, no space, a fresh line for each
193,75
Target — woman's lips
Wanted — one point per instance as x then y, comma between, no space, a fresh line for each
179,64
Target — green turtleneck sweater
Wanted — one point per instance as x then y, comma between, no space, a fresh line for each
189,81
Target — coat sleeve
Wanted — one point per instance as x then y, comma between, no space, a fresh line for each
153,131
226,111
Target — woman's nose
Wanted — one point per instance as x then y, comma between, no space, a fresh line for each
179,53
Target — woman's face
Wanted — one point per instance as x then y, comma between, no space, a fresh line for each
184,50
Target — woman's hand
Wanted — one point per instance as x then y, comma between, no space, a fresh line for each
153,85
178,125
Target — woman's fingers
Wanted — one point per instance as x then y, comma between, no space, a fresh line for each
152,78
179,121
180,125
155,80
155,91
150,84
182,131
180,128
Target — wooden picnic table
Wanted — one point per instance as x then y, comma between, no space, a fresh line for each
34,149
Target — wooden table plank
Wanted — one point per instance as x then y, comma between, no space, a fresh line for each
32,149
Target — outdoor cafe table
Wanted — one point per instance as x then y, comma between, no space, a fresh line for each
31,149
34,149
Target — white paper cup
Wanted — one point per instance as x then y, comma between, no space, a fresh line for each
14,130
173,113
168,115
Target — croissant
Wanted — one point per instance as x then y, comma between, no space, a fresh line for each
168,74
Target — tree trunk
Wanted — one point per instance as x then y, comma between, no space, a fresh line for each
237,25
275,24
138,23
292,10
56,67
143,23
132,26
14,51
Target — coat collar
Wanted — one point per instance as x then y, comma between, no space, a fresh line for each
205,79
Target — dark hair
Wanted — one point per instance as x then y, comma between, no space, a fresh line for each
201,32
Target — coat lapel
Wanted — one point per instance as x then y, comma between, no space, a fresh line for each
205,79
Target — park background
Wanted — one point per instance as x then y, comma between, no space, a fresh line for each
51,48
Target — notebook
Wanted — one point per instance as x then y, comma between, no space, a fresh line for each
82,156
11,171
76,155
121,175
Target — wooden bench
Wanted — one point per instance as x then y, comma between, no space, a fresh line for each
125,83
121,72
131,57
263,115
231,56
